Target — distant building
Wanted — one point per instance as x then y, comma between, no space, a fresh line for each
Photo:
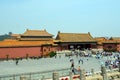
71,41
39,43
15,36
113,44
32,43
100,41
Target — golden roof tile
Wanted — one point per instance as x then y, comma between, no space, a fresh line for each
75,37
100,40
115,38
35,39
110,41
36,33
15,43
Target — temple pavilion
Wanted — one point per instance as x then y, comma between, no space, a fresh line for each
72,41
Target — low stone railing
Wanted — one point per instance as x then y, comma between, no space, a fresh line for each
66,74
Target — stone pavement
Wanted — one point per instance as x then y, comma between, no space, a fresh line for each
45,64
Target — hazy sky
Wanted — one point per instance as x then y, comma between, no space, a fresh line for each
99,17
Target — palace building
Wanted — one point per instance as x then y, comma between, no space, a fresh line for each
32,43
113,44
100,41
39,43
75,41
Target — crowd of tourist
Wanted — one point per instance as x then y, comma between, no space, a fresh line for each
112,58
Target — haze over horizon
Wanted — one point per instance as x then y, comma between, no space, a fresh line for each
99,17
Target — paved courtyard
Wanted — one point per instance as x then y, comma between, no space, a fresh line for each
46,64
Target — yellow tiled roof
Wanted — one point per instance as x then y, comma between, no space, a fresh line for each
15,43
111,41
36,39
36,33
115,38
100,40
75,37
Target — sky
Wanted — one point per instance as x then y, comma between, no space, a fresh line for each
99,17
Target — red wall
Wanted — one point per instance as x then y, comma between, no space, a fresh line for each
46,50
113,46
118,47
20,52
99,46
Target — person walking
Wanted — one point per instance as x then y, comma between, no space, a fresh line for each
78,69
16,62
72,64
73,70
79,61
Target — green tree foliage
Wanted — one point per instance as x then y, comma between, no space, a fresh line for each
52,54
